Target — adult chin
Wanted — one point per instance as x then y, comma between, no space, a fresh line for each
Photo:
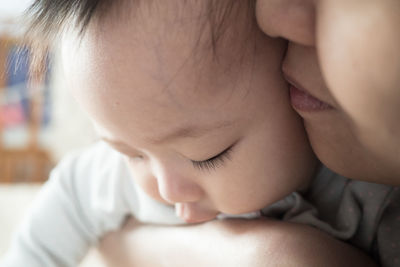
337,146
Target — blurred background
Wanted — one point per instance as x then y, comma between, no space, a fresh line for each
38,124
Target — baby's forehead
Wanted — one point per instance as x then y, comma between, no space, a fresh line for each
205,21
178,54
155,70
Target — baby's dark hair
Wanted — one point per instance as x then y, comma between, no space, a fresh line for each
48,19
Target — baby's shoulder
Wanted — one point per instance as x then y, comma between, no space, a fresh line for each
97,160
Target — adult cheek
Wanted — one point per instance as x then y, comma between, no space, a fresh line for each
358,45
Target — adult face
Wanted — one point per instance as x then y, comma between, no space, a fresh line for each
343,56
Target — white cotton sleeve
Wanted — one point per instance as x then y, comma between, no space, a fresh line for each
84,198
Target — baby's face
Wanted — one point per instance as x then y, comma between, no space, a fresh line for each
208,133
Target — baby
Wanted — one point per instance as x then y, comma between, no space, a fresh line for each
194,115
191,96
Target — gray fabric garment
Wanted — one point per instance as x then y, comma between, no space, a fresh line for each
364,214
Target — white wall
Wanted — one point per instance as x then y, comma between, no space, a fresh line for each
13,8
10,11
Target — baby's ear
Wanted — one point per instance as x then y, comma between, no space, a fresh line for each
291,19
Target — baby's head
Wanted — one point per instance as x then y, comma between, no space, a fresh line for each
191,93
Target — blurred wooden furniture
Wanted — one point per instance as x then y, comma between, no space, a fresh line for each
31,163
28,165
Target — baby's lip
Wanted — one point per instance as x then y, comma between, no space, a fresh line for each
194,213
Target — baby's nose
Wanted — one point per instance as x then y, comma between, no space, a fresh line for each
175,189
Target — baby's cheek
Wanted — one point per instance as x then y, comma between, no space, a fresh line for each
241,192
147,182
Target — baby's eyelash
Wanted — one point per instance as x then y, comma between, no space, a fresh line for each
214,162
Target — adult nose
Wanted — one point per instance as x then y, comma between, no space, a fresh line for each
291,19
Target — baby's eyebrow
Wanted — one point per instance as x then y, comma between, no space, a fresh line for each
190,131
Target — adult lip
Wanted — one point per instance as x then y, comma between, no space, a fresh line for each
302,100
